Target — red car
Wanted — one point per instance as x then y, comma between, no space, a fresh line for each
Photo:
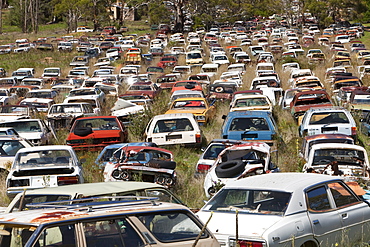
94,133
144,88
167,61
186,84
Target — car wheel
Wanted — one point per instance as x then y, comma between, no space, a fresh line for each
163,164
84,131
309,244
230,168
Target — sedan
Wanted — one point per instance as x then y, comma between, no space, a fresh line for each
289,209
202,110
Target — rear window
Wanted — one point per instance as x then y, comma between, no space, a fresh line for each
249,124
329,118
171,125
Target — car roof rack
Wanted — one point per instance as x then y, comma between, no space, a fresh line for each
91,203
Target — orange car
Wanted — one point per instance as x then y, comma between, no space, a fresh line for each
94,133
199,107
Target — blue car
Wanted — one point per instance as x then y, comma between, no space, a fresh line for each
249,125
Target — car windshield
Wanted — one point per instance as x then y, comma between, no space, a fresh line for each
66,109
23,126
171,125
189,104
44,95
49,71
3,93
249,124
14,110
213,151
10,147
31,82
175,223
343,156
195,55
82,92
250,201
140,88
329,118
97,123
11,234
42,158
251,102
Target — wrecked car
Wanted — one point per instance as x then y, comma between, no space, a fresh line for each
149,164
238,161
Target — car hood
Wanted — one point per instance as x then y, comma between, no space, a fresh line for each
194,111
127,111
222,231
31,135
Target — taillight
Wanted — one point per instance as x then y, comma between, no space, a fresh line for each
244,243
354,131
198,138
203,168
64,180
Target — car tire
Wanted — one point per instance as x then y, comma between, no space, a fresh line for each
84,131
189,86
219,89
230,169
163,164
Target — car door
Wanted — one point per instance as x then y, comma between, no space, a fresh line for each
325,221
354,214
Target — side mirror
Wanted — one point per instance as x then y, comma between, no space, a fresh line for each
83,161
224,117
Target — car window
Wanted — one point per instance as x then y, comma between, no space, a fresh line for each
318,199
213,151
341,195
251,124
250,201
97,123
62,235
117,233
329,118
171,226
10,148
24,126
182,124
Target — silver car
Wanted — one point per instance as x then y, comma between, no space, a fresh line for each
288,209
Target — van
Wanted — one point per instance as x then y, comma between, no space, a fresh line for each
172,129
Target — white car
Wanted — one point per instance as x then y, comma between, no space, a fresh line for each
328,121
46,166
172,129
34,130
288,209
219,59
338,159
236,162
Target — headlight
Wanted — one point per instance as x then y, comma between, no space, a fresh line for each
200,118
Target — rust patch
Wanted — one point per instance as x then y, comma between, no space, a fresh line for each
50,216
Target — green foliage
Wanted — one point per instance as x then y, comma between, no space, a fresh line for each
138,122
158,13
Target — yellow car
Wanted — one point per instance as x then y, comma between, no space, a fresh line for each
202,110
